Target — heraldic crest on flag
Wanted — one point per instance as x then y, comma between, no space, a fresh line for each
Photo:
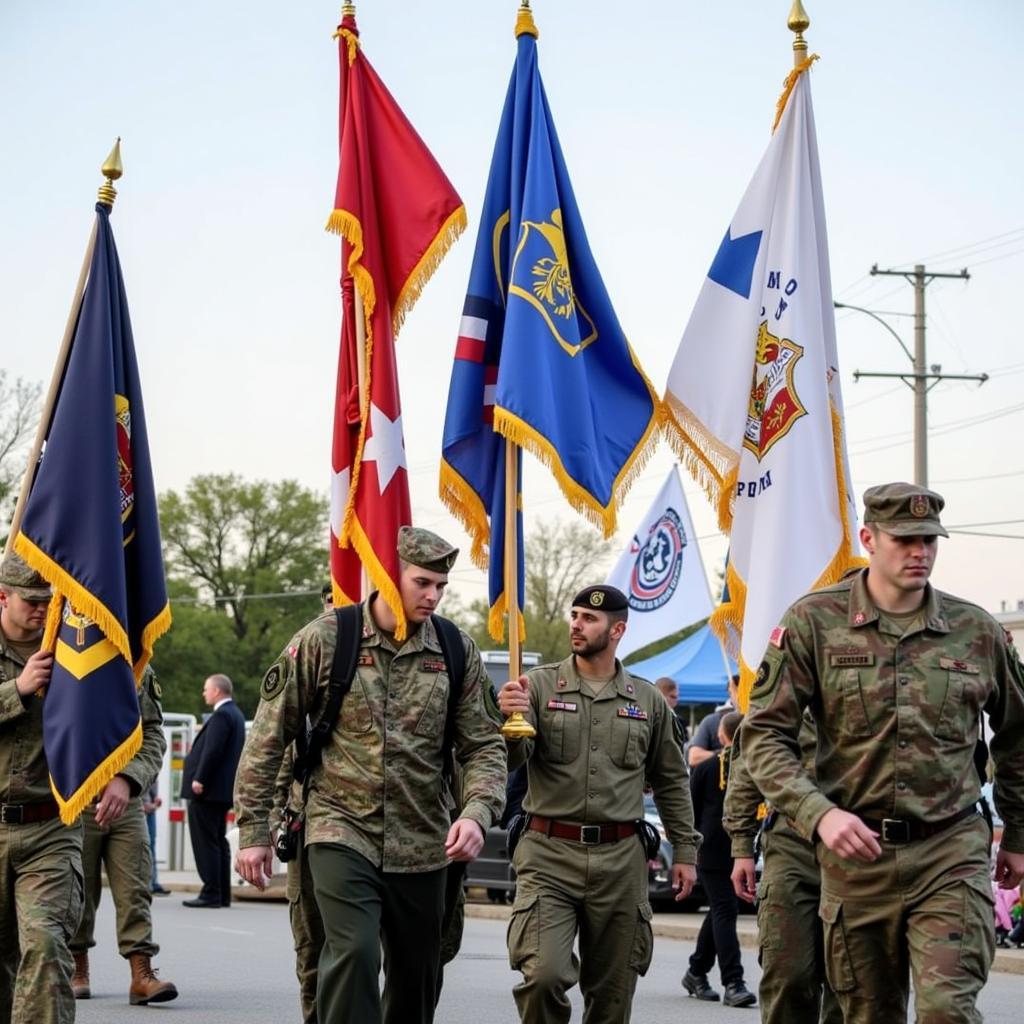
541,359
398,215
753,395
91,529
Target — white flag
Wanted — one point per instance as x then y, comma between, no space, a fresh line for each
661,572
754,392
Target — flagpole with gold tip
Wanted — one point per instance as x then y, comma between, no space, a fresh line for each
798,22
112,171
516,726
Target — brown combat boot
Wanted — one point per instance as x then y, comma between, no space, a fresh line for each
80,979
146,986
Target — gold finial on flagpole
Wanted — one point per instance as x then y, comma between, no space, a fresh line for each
524,20
111,170
798,22
348,10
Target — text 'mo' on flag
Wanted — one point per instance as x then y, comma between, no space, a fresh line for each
754,397
91,529
398,214
541,359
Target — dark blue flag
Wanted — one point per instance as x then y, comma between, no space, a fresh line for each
91,529
541,358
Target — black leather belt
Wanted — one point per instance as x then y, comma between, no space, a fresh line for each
28,814
907,830
589,835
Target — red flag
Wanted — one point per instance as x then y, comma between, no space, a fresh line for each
398,214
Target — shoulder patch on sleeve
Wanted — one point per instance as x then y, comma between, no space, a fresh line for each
777,637
767,677
156,688
273,683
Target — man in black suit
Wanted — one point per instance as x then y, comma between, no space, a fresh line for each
208,782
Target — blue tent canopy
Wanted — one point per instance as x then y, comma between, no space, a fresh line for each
696,666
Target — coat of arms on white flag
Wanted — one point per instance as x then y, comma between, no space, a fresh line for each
754,392
661,572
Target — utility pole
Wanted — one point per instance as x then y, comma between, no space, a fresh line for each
919,379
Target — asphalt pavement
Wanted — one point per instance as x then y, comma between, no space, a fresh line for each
235,966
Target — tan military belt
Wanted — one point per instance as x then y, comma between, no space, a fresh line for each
908,830
28,814
589,835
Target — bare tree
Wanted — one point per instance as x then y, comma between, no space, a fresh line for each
19,416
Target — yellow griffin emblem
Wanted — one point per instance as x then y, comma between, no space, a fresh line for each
543,248
774,404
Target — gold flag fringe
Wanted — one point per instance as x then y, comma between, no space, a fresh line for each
346,224
378,576
788,85
465,505
445,238
152,632
496,620
81,599
72,807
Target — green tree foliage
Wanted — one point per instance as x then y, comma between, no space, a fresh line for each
562,557
245,562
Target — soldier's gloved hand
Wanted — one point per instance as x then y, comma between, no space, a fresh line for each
465,840
114,800
255,864
35,674
744,879
844,833
514,696
684,877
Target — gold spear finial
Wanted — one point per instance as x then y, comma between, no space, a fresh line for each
524,21
798,22
111,170
348,10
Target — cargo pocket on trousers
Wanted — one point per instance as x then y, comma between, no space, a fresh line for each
768,936
977,938
523,934
838,967
76,900
643,940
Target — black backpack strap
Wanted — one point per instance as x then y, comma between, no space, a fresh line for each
454,653
314,736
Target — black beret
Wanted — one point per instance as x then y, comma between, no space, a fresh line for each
601,598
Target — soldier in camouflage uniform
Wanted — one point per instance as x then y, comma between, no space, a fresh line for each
378,831
40,858
580,867
792,953
115,835
896,675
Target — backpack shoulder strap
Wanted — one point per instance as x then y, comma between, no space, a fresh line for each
454,653
314,735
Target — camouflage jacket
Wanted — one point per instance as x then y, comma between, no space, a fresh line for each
742,797
897,715
591,755
379,788
144,767
24,777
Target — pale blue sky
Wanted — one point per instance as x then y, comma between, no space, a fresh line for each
228,113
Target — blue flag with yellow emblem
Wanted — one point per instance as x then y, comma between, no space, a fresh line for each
541,359
91,529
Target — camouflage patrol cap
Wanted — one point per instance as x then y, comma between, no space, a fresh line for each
24,581
904,510
425,549
601,598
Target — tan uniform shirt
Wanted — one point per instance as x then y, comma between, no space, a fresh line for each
378,789
591,755
897,715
